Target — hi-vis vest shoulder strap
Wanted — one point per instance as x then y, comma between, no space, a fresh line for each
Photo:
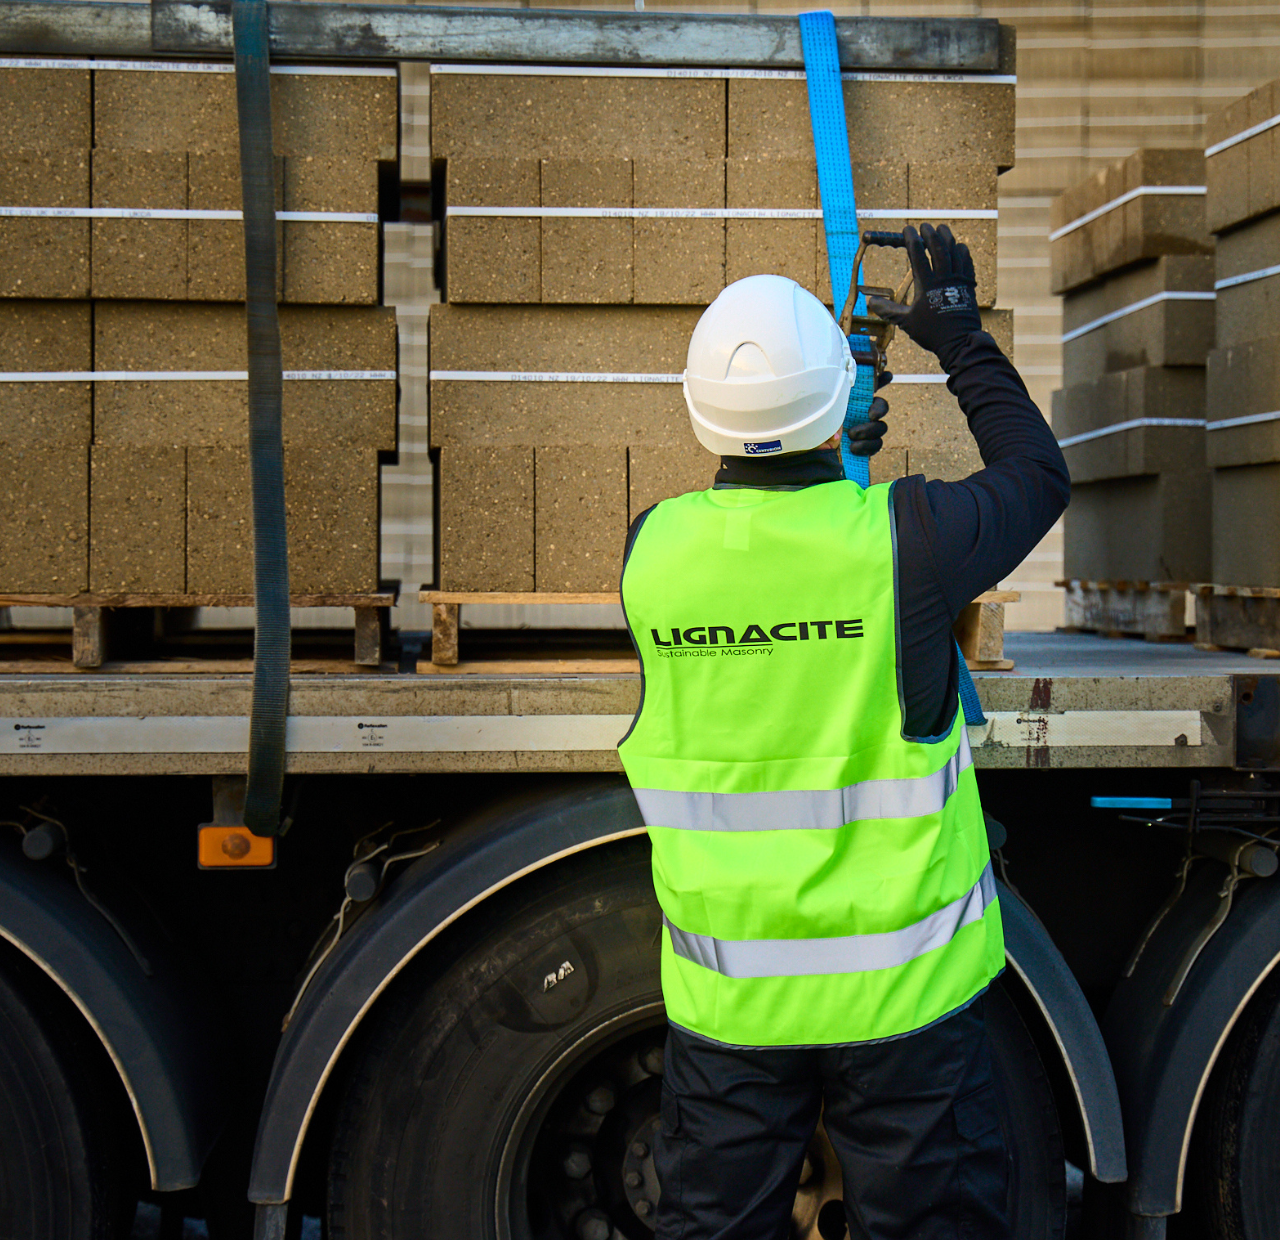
823,878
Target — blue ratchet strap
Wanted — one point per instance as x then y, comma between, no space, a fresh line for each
970,702
839,208
840,221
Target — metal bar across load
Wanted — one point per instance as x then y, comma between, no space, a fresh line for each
525,36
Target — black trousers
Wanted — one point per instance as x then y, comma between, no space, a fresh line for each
913,1122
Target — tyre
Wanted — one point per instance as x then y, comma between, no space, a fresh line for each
1234,1171
512,1093
59,1164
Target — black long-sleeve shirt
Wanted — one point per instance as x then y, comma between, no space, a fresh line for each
955,539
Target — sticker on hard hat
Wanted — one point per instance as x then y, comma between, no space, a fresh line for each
755,449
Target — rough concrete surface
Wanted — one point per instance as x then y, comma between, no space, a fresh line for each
576,117
331,503
580,516
44,539
45,109
45,336
44,257
486,518
137,519
140,258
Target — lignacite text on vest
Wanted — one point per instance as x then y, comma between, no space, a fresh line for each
723,639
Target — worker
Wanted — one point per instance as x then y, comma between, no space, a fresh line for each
830,920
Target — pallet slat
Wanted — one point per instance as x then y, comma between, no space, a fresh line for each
190,600
979,631
91,619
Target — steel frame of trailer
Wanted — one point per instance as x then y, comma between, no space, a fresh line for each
534,36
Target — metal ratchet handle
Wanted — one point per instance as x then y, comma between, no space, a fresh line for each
884,240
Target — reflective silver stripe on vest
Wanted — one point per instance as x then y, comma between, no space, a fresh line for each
805,811
850,953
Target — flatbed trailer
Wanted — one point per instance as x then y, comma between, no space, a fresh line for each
1072,702
434,1009
522,772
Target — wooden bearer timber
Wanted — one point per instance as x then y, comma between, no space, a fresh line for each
92,614
979,630
1155,610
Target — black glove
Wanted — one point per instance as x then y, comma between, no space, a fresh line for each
867,438
945,311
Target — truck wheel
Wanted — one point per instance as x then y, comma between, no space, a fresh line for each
512,1093
1235,1165
57,1170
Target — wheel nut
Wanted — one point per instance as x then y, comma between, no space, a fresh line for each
651,1061
577,1164
643,1207
639,1149
600,1100
634,1179
592,1225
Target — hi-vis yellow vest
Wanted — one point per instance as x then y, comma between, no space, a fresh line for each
823,878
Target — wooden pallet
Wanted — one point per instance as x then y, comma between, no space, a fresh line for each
1238,618
979,630
95,615
1154,610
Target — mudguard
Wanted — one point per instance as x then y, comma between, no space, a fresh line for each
509,841
1164,1052
154,1030
1069,1019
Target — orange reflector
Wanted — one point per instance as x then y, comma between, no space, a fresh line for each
221,847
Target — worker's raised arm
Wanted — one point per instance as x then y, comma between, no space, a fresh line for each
978,530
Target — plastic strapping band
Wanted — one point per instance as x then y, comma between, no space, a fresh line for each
840,220
270,706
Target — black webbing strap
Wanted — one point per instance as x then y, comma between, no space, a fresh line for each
270,706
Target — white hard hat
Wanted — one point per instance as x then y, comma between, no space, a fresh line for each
769,370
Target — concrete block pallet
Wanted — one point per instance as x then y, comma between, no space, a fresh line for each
135,484
1242,408
1132,256
589,218
979,629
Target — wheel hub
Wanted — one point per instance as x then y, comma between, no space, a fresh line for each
596,1144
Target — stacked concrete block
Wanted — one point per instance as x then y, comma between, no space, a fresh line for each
163,136
331,508
1132,256
215,248
142,460
1159,312
741,144
334,428
928,433
590,219
140,257
1242,407
553,455
45,429
1146,206
1140,490
46,128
